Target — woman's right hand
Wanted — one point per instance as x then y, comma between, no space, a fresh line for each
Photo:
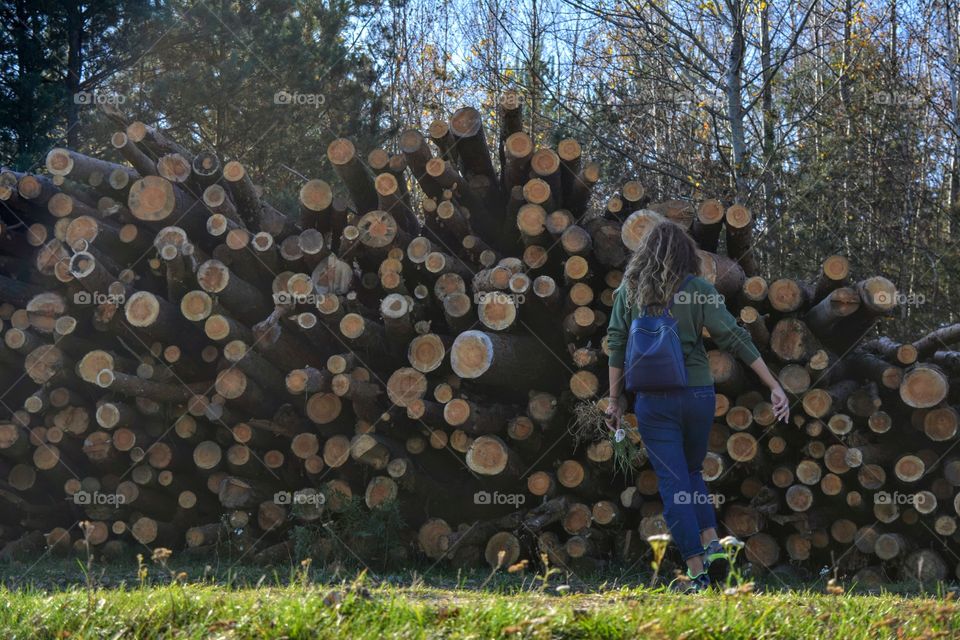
615,410
778,397
781,405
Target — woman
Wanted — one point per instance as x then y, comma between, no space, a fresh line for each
675,425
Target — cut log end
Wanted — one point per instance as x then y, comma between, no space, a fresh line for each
924,386
142,309
836,268
381,491
502,550
738,216
430,536
151,199
323,408
540,483
471,354
909,468
316,195
426,352
710,212
406,385
488,456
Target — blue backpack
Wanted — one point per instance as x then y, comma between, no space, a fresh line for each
654,359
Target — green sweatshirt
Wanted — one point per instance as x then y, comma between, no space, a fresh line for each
699,305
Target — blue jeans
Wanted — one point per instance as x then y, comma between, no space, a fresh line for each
675,427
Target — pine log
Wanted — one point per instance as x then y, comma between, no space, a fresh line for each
494,359
739,226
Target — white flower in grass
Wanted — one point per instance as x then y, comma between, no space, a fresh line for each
732,545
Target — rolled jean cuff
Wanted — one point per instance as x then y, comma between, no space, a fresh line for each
687,556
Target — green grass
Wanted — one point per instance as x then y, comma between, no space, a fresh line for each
345,611
55,602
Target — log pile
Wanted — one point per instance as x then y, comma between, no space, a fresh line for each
184,365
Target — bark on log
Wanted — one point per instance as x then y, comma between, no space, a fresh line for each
492,359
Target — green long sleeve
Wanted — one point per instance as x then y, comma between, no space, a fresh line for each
723,327
618,329
700,305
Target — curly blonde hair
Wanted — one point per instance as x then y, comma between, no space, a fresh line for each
666,255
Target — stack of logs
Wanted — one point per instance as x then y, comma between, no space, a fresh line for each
183,365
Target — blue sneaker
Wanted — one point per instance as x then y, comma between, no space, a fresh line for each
717,562
691,583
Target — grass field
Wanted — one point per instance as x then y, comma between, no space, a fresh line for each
56,603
